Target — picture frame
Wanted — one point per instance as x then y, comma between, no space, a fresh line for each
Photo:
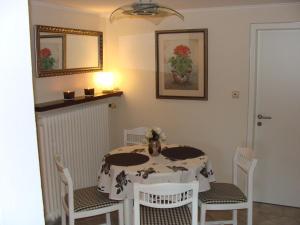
82,50
52,52
182,64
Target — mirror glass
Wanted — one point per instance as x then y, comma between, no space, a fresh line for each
61,51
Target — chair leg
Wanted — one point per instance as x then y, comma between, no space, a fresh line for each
234,217
250,215
203,215
108,221
121,216
71,220
128,210
63,216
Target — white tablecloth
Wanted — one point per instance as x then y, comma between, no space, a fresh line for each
118,180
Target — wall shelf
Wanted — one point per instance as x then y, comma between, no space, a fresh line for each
46,106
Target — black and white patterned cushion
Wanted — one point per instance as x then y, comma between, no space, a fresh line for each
222,193
90,198
172,216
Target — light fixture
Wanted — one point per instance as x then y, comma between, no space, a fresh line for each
106,81
147,10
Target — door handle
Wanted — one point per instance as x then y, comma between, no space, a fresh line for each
261,117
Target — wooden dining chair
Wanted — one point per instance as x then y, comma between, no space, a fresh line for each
134,136
166,203
85,202
227,196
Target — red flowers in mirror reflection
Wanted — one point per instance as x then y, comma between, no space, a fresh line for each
182,50
45,52
47,61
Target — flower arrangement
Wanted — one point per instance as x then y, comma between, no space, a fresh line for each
181,63
47,61
155,134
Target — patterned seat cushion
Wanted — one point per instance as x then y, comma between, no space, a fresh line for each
172,216
222,193
90,198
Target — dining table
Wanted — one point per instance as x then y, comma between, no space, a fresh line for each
126,165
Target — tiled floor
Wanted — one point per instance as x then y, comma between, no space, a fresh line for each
264,214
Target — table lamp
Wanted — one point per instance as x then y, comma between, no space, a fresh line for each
106,81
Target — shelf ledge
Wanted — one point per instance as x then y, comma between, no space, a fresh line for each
46,106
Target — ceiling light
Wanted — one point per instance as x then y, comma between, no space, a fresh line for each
145,10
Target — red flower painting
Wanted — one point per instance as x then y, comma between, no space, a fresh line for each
182,50
181,63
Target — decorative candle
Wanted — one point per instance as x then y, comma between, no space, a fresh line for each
89,92
69,95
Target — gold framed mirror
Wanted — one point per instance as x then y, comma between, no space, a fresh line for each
65,51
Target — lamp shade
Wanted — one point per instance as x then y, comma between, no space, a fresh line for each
106,81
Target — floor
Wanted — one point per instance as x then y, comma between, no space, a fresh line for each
264,214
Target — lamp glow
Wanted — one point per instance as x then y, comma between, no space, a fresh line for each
106,81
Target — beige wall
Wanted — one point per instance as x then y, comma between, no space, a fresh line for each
51,88
218,125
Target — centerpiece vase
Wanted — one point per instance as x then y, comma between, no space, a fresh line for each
154,147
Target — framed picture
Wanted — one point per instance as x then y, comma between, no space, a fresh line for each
181,64
52,52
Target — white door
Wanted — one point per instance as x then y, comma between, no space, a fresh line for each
274,121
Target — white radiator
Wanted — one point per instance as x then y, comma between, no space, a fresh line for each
80,134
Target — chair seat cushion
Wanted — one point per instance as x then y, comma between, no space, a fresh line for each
90,198
222,193
170,216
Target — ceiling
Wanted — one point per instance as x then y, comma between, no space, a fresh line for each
106,6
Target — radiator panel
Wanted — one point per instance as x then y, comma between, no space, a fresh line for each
81,136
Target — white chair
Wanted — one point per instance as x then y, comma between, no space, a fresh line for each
134,136
166,204
85,202
226,196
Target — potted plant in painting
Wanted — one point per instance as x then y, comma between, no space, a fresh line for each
181,64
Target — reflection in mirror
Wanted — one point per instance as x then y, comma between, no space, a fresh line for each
61,51
81,51
52,52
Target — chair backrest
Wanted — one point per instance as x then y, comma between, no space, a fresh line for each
134,136
166,195
244,160
66,185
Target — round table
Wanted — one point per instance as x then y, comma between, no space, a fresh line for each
129,164
117,180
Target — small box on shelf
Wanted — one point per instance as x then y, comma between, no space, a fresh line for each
69,95
107,91
89,92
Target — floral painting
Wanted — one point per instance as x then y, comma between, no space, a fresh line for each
51,53
181,64
180,74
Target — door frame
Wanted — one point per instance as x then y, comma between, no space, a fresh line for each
254,30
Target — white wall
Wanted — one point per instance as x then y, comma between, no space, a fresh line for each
51,88
216,126
20,186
